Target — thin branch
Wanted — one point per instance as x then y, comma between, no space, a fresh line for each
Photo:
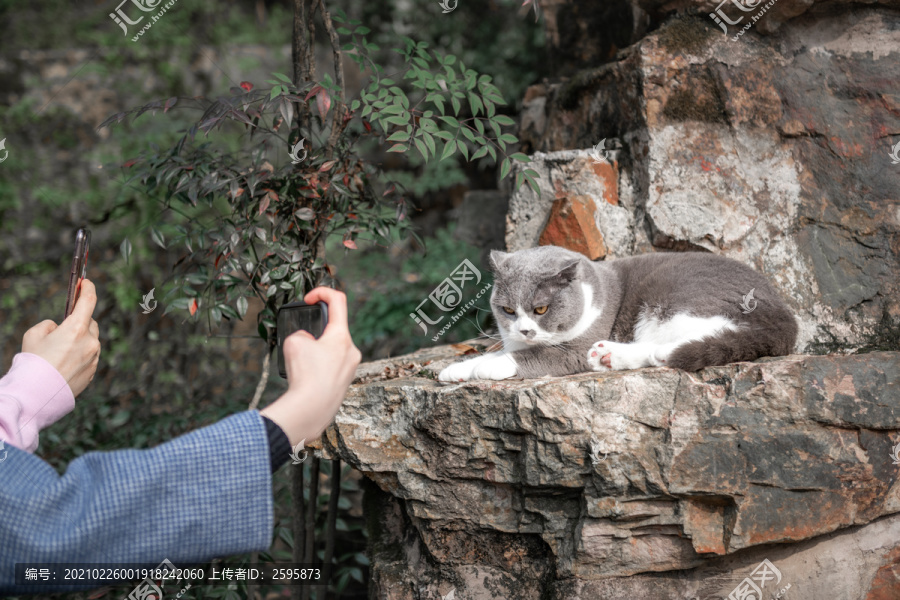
337,115
297,522
300,57
309,554
331,525
311,42
264,378
298,41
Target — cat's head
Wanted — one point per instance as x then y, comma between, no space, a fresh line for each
538,293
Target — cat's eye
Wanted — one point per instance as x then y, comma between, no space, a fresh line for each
509,310
541,309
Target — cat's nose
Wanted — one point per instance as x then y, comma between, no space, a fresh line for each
529,333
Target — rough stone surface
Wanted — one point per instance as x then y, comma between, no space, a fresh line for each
571,225
571,173
652,483
582,34
773,150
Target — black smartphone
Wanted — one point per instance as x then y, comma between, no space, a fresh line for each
294,317
79,268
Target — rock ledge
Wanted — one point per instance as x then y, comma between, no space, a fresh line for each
602,484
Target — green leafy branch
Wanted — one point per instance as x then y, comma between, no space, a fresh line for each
422,120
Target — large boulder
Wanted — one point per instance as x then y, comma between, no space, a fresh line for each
654,483
774,150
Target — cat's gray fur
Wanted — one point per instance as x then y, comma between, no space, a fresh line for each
651,289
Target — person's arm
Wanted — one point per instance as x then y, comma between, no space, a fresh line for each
203,495
33,395
55,365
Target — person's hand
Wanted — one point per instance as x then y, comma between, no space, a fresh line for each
319,372
73,348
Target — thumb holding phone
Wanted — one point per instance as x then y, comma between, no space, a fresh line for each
73,347
319,371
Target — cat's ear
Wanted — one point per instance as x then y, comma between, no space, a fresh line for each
569,271
564,276
497,259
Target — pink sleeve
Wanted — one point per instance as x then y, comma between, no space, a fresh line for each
33,395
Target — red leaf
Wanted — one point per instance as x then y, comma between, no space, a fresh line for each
346,179
367,126
326,166
216,266
129,163
315,90
193,307
390,190
264,204
352,216
350,244
323,101
247,85
170,103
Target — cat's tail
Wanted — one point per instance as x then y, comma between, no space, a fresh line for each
751,341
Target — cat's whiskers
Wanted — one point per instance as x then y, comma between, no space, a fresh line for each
484,334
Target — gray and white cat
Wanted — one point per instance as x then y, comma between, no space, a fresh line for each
560,313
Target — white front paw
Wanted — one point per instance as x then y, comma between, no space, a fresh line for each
497,367
488,366
461,371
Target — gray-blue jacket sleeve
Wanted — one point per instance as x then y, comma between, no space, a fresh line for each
200,496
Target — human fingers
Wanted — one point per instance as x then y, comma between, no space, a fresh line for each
84,308
337,308
33,336
294,347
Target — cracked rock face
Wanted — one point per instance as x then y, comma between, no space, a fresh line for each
774,150
656,483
